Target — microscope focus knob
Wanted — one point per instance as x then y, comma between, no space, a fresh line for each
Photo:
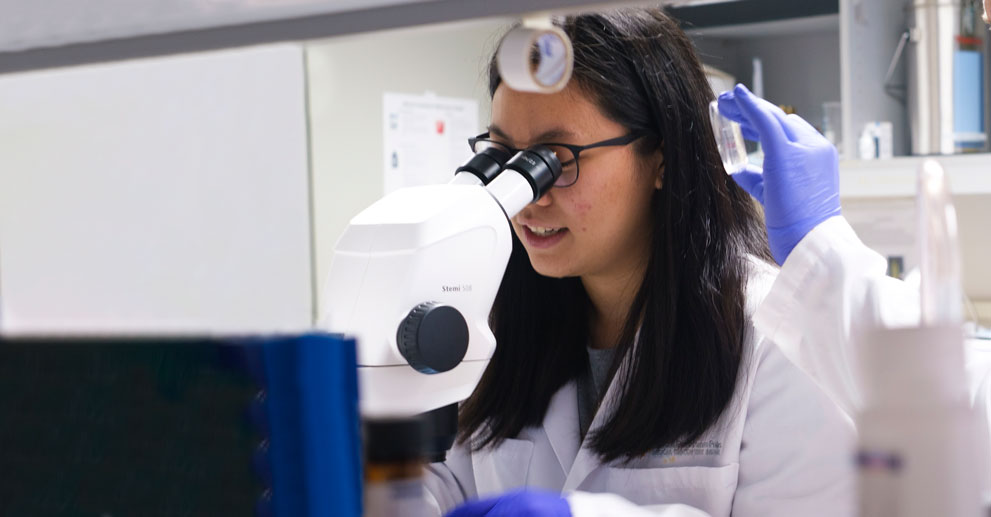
433,337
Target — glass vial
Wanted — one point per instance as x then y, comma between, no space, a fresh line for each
729,139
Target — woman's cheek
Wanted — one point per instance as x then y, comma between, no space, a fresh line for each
583,207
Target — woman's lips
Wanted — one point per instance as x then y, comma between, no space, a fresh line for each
540,240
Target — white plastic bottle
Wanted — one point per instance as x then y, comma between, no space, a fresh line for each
916,429
918,453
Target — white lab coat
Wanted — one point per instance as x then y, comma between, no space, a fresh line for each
782,448
830,289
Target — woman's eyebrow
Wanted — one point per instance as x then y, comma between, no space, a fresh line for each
494,130
546,136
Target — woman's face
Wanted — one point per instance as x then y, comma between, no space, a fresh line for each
600,226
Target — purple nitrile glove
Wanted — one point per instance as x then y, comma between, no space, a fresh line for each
800,182
519,503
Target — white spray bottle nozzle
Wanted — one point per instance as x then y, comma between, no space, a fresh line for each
939,251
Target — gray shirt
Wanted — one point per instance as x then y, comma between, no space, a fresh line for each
592,385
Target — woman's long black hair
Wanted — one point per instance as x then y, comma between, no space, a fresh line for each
641,70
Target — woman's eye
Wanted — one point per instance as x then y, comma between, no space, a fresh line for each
564,155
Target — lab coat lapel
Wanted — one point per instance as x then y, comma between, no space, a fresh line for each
561,425
587,460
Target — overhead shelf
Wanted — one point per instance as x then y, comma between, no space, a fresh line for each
697,15
58,33
969,174
789,27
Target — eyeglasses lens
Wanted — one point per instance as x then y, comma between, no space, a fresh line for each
482,144
569,166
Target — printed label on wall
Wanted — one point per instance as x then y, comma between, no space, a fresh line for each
426,138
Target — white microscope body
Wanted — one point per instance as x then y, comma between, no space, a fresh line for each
406,261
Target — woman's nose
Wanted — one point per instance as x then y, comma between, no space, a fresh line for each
544,200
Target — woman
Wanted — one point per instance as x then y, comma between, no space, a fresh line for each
627,363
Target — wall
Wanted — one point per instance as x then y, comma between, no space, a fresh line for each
157,195
347,78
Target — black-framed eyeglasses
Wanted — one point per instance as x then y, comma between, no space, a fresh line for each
566,153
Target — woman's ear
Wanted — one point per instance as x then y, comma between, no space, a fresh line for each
659,178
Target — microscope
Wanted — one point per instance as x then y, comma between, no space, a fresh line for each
413,279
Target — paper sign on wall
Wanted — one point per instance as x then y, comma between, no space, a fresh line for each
426,138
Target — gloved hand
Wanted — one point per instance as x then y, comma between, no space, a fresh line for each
800,183
519,503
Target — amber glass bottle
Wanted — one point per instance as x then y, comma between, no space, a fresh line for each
394,468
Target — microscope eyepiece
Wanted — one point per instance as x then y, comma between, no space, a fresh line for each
539,165
486,164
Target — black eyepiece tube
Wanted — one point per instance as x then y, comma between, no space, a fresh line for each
485,165
539,165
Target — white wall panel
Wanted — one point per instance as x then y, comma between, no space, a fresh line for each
166,194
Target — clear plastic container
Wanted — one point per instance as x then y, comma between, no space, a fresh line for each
729,139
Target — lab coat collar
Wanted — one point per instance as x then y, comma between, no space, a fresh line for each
561,425
588,460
